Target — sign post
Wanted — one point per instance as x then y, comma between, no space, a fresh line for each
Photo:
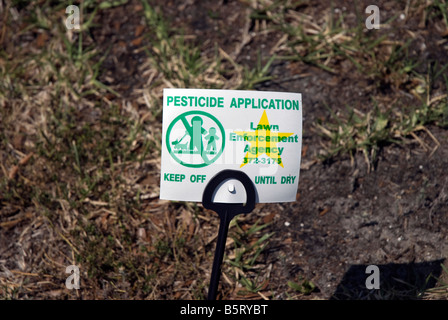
230,149
226,212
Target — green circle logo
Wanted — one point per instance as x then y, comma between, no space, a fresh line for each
195,139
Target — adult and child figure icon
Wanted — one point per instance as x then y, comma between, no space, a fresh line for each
195,131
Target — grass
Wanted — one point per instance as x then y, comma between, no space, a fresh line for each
249,243
181,64
369,132
409,286
442,285
304,286
89,151
385,63
79,156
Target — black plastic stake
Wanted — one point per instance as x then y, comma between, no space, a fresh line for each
226,212
219,254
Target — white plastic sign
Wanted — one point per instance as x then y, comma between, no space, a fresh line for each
206,131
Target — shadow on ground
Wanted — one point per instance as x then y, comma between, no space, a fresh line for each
397,281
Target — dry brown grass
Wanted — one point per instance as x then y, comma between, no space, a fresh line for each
80,165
